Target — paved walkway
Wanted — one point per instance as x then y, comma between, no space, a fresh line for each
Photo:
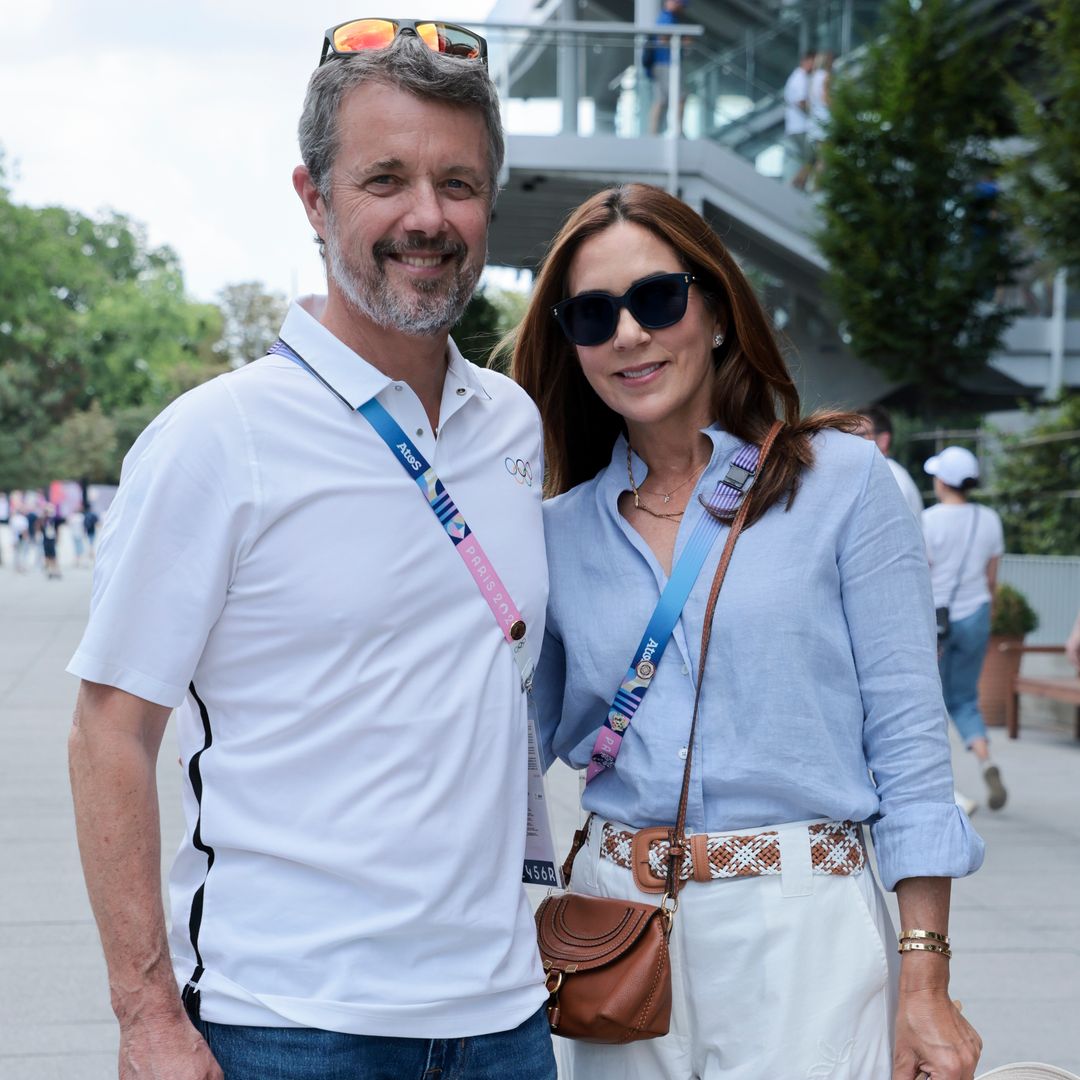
1016,924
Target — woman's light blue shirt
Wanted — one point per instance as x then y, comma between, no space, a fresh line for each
821,696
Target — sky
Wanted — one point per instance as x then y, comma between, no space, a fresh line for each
182,116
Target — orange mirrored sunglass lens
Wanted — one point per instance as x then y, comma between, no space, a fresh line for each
364,34
429,35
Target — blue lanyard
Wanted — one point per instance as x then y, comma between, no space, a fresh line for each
727,496
453,522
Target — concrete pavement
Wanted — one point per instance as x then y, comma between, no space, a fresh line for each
1015,927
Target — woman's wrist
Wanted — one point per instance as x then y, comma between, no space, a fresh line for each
921,972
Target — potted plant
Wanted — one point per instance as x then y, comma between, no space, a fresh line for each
1012,618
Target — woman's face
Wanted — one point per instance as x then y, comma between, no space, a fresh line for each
646,376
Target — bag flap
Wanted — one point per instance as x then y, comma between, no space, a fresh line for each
589,931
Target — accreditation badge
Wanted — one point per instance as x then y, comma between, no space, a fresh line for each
541,867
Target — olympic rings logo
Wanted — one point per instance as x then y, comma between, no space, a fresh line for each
520,470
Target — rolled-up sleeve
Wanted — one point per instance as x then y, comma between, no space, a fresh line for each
885,586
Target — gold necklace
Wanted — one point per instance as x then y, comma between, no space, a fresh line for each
638,504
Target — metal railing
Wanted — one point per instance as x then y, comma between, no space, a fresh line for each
591,78
1051,584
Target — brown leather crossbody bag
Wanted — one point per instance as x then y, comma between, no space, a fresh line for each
606,959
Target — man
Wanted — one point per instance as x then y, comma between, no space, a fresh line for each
878,429
797,162
658,58
347,900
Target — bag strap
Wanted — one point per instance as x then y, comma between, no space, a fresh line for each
676,846
967,552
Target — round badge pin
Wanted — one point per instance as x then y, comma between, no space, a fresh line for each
646,669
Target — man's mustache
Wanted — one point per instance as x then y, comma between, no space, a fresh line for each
383,248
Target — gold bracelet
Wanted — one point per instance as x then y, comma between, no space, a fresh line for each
916,935
922,946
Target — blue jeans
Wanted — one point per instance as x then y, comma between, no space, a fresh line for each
257,1053
960,664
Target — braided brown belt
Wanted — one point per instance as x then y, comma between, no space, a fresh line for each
835,848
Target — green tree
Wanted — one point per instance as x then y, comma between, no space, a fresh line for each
490,315
914,236
251,316
1047,181
83,445
1036,483
89,312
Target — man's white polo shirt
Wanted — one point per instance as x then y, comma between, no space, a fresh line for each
351,721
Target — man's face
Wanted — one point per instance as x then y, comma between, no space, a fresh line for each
407,219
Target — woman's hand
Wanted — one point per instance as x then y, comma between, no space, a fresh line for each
932,1038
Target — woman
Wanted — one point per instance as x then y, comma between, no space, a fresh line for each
821,668
964,543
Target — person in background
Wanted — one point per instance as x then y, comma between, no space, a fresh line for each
878,428
90,525
796,122
1072,645
20,535
964,544
655,371
76,528
49,528
5,517
659,66
818,113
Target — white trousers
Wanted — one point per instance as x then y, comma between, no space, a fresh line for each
788,977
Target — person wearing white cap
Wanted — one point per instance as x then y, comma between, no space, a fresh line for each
964,543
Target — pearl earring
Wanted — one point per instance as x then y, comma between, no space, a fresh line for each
717,341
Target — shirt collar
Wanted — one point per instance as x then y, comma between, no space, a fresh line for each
614,481
348,373
463,373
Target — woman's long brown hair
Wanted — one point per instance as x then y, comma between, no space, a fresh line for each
753,385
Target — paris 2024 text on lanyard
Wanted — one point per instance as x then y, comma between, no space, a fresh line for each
540,867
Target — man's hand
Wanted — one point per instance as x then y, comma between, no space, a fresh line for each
933,1038
165,1048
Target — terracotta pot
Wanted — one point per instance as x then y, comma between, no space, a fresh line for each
1000,669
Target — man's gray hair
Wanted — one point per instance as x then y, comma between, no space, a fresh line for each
406,64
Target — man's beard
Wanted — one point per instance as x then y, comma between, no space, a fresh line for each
422,309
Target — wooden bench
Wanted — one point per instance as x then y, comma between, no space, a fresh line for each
1056,688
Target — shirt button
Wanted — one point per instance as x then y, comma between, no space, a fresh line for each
397,386
419,431
685,670
460,391
682,754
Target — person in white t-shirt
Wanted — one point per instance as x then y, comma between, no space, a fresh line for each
879,430
819,113
353,727
964,543
796,122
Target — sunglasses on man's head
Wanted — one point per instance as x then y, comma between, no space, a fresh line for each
590,318
360,35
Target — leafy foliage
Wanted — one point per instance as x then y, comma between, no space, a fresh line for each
1013,615
1037,481
491,314
92,321
913,231
252,317
1047,182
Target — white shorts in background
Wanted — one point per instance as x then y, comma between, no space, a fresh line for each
788,977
